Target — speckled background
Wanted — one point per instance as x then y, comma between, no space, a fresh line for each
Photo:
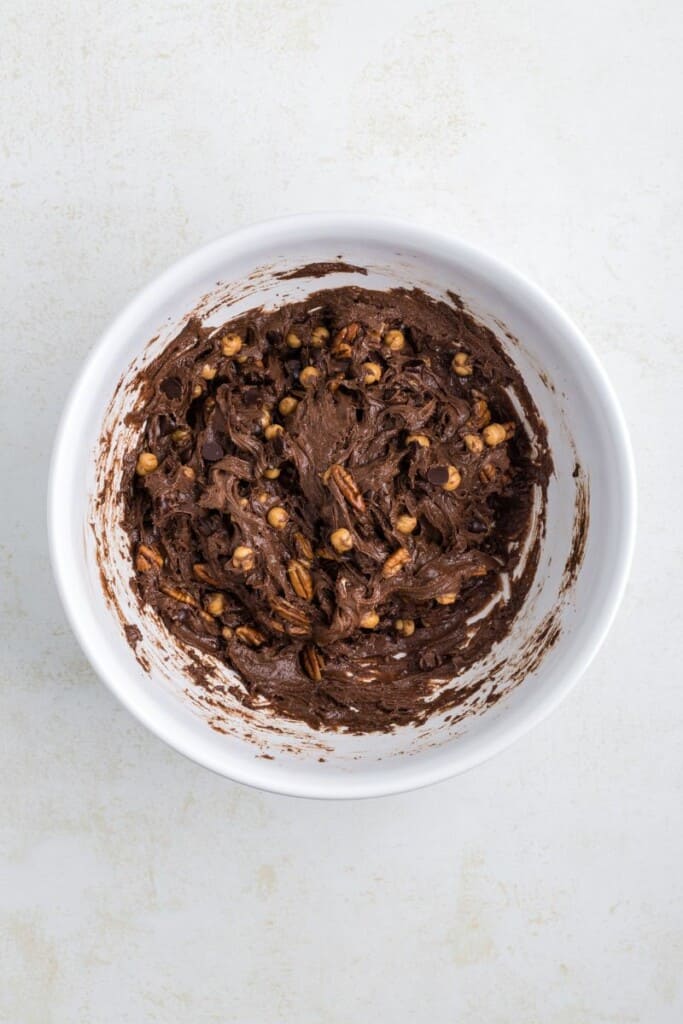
545,886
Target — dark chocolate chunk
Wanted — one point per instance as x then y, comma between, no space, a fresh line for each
172,387
437,475
212,451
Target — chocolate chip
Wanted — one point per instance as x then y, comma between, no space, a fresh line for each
251,396
437,475
278,445
212,451
205,526
172,387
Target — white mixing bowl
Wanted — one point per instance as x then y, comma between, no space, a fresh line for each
565,617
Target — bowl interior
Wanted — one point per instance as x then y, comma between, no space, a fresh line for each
584,554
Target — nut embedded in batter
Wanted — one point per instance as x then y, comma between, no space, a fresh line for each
462,365
341,540
406,523
372,372
394,340
370,620
231,344
319,337
287,405
243,558
309,376
147,463
300,579
406,627
277,517
395,562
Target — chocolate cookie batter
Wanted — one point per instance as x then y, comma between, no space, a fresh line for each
329,495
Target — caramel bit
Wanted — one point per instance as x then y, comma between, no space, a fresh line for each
273,430
271,473
372,373
243,558
293,340
394,340
395,563
341,540
227,633
147,463
208,371
181,436
370,620
406,627
446,598
497,433
300,579
420,439
453,480
473,443
277,517
215,604
462,365
308,376
287,405
231,344
312,662
319,337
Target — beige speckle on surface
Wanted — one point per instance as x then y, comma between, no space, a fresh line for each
544,887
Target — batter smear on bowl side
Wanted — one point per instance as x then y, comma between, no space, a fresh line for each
334,497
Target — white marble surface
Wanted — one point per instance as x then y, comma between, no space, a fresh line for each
544,887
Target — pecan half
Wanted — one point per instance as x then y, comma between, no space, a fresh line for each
301,580
249,635
304,548
178,595
292,615
202,573
395,563
147,557
312,662
348,333
348,487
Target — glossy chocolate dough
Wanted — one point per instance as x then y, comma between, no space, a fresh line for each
466,538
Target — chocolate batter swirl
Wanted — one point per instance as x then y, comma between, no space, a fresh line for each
326,495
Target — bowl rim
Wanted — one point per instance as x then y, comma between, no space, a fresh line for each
265,774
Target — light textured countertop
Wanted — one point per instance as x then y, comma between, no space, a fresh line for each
544,887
